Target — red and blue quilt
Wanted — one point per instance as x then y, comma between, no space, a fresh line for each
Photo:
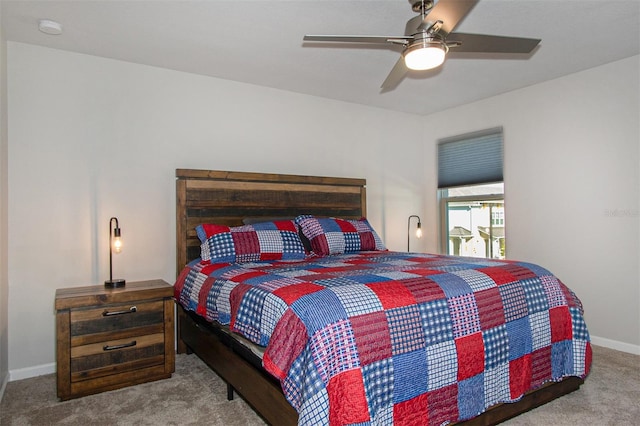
379,338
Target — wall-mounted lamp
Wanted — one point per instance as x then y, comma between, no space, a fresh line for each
115,244
418,229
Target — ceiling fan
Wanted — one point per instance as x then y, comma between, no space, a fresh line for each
429,37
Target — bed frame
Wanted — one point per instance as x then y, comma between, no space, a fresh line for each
206,196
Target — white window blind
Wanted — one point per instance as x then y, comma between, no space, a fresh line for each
470,159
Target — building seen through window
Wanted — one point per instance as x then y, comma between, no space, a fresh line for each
474,220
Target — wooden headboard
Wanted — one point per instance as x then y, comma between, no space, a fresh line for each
227,198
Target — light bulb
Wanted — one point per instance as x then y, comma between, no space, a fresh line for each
419,232
117,245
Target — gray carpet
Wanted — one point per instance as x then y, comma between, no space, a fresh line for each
196,396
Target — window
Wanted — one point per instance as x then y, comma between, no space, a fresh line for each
497,217
471,195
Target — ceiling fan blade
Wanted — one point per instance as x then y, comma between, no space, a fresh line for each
358,39
450,12
481,43
395,76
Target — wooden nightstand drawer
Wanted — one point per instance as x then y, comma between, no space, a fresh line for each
110,338
115,321
116,356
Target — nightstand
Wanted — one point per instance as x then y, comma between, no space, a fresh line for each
108,338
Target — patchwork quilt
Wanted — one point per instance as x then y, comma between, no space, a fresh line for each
379,338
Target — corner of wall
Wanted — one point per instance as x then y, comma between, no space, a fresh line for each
3,385
4,276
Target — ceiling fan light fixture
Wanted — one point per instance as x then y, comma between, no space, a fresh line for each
425,55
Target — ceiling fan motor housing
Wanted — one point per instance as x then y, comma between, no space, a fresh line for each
412,25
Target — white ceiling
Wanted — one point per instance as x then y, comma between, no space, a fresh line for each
260,42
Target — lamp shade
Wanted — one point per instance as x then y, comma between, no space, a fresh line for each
425,55
117,240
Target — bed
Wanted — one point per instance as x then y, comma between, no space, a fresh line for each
324,377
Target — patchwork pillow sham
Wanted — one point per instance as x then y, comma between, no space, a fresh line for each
276,240
252,220
330,235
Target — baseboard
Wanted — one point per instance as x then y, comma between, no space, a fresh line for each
29,372
614,344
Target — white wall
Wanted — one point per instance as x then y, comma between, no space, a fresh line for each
91,138
571,186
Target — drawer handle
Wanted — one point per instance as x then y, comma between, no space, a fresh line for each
114,347
131,310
